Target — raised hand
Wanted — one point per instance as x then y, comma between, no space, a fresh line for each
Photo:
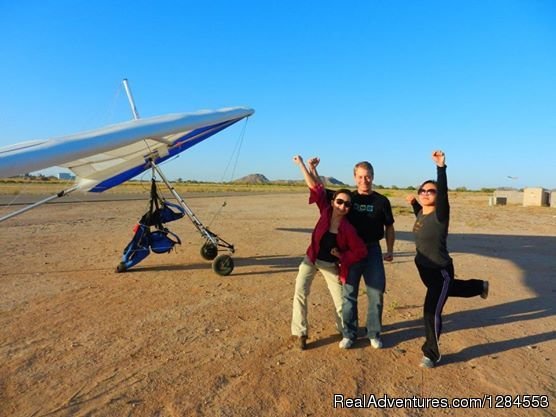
313,162
439,158
410,198
298,159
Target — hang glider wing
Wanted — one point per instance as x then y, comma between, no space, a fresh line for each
106,157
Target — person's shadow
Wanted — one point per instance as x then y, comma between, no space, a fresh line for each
274,263
534,255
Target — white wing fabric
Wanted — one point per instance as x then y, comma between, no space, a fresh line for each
106,157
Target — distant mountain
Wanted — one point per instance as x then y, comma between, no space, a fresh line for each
261,179
253,179
332,181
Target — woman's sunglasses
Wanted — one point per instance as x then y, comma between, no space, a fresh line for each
428,191
339,201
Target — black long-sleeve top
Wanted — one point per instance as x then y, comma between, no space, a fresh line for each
431,230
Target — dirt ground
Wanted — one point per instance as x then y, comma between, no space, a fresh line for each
172,338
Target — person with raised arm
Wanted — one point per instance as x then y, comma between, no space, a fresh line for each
435,266
334,247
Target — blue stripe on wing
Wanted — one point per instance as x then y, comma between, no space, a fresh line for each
185,142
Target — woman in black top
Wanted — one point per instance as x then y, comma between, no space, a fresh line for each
433,260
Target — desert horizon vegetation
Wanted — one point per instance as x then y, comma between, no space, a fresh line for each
39,184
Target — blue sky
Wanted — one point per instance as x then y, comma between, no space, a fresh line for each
384,81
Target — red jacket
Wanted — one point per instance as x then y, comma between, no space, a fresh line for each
350,245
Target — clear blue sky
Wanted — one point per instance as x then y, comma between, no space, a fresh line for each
384,81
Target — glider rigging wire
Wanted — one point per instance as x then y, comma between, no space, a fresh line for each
236,151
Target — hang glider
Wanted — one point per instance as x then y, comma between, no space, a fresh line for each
106,157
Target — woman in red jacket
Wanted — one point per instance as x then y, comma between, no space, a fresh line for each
334,247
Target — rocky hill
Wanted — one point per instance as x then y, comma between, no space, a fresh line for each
332,181
253,179
261,179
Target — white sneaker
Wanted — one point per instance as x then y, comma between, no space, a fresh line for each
345,343
376,342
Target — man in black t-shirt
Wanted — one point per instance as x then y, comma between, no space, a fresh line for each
372,217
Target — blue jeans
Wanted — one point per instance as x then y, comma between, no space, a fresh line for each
372,269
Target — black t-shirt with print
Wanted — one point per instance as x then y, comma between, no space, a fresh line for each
369,214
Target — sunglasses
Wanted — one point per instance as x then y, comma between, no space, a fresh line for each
428,191
339,201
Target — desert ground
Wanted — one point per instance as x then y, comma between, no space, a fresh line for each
172,338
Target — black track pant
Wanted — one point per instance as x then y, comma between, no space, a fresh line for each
440,285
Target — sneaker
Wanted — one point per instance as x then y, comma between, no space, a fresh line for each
346,343
426,363
376,342
302,342
484,294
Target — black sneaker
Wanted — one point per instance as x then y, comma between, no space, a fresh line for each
484,294
426,363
